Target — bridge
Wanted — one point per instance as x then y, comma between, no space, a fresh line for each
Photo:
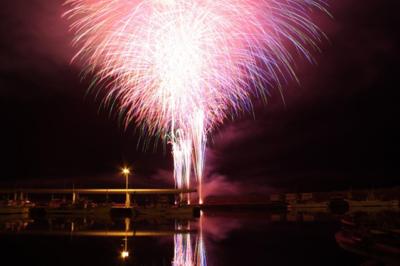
75,192
102,233
142,191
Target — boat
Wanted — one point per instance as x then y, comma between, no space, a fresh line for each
176,211
307,202
372,236
371,202
83,207
14,210
309,205
15,207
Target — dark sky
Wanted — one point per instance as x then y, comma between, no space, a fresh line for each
336,130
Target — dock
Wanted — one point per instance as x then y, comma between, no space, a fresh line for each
75,206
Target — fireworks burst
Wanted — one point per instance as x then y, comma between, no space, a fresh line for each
179,68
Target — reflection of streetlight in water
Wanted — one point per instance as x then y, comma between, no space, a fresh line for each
125,252
188,250
184,252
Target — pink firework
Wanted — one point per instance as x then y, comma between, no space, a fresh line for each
179,68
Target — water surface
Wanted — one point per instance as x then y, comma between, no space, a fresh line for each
216,238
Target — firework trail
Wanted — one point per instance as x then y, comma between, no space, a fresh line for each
179,68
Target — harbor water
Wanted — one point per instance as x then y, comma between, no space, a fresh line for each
220,238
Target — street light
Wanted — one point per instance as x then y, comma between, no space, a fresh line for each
126,172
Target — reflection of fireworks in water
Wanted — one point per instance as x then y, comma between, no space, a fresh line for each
184,254
179,68
200,246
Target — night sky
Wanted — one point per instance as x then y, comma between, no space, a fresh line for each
336,129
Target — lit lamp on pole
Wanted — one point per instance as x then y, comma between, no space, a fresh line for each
126,172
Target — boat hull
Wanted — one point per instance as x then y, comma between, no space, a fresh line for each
14,210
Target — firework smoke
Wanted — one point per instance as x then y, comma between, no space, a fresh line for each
179,68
